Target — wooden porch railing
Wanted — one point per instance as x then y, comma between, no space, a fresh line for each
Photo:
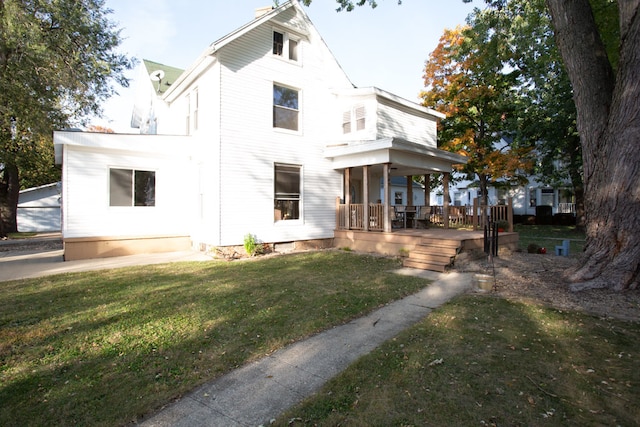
351,217
567,208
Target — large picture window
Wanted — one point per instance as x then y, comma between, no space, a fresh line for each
287,192
285,107
128,187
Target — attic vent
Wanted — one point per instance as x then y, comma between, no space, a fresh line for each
262,11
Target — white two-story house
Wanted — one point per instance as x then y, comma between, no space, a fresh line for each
261,135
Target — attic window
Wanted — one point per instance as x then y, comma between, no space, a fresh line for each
286,45
278,43
354,119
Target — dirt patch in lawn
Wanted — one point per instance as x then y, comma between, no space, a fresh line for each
541,278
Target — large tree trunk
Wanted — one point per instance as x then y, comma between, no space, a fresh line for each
608,121
9,193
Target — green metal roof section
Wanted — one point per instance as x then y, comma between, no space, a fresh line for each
162,76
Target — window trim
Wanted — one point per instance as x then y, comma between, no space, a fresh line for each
132,195
285,49
296,131
196,102
188,116
300,198
354,119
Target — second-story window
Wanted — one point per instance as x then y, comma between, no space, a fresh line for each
285,107
286,46
354,119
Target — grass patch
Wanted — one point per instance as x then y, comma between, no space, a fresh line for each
21,235
548,236
480,360
103,348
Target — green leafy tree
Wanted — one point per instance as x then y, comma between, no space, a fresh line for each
466,80
58,62
546,112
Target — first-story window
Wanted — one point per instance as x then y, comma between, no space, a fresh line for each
287,192
128,187
398,197
285,107
547,197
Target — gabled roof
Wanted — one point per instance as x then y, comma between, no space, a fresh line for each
162,76
209,53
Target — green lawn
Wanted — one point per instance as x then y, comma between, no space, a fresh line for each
548,236
102,348
484,361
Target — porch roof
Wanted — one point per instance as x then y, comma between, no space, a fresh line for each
406,158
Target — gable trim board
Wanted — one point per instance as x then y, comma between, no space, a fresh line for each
218,184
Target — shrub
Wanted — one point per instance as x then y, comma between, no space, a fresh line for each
252,246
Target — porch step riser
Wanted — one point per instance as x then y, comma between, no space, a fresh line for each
441,268
441,243
430,258
430,250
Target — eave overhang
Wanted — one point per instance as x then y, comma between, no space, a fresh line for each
406,158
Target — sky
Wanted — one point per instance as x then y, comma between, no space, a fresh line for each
385,47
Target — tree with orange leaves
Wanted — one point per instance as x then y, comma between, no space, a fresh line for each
466,80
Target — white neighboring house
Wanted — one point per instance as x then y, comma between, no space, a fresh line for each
262,134
39,208
400,195
527,199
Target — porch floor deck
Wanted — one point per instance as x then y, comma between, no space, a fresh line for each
404,241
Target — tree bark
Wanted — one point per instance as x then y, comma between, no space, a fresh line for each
9,193
608,120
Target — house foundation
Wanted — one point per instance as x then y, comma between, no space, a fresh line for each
110,246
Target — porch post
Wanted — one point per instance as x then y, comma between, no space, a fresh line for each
510,213
347,197
365,197
445,206
427,185
387,197
409,190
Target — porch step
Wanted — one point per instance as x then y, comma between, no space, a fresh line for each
433,255
425,265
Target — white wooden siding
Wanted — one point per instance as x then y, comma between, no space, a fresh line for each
85,194
250,146
395,121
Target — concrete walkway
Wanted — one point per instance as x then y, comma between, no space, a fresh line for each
30,264
257,393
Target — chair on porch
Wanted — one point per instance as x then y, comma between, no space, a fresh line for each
397,221
422,218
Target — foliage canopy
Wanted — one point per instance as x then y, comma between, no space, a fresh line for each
58,62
